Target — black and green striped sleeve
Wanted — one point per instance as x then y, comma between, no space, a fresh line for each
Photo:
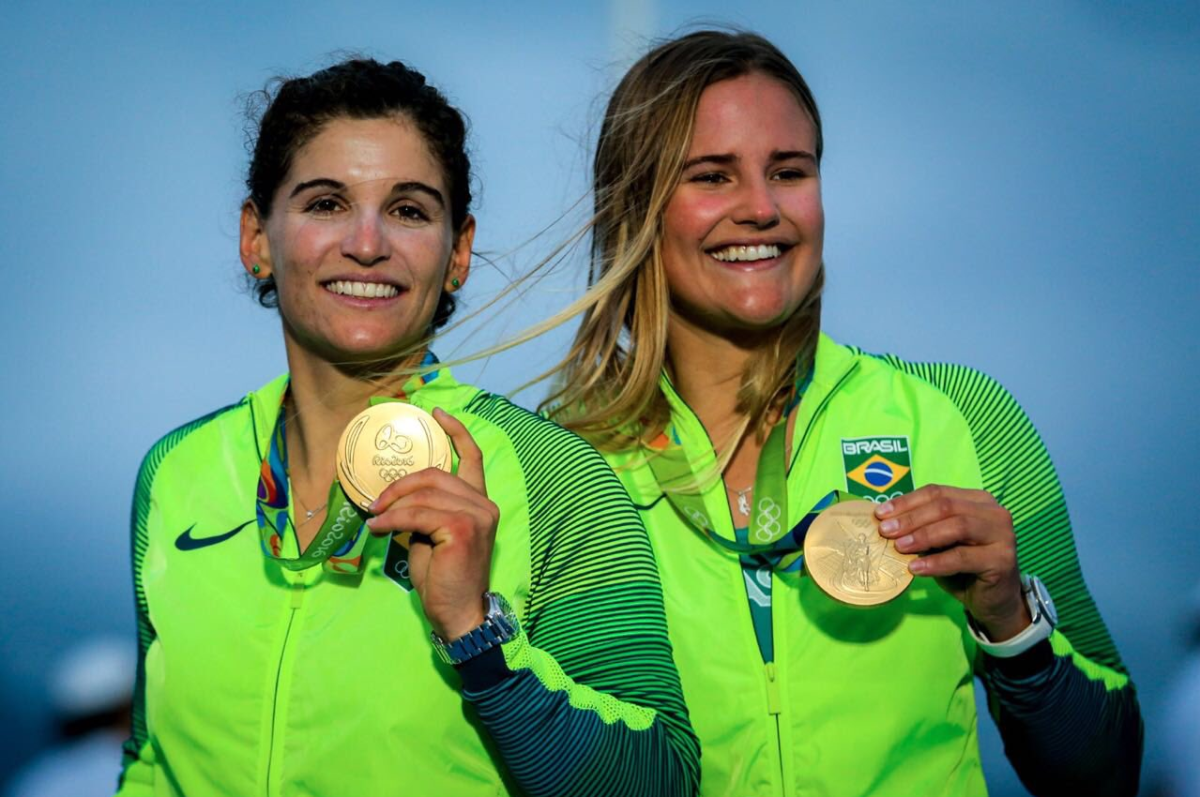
589,702
1067,709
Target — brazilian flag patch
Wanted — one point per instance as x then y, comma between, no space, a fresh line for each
877,468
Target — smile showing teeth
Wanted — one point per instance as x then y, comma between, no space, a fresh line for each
367,290
741,254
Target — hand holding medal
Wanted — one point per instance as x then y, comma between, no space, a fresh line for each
964,538
451,521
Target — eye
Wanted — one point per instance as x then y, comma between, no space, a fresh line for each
324,206
410,212
790,174
710,178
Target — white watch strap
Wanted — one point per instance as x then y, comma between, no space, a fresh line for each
1041,627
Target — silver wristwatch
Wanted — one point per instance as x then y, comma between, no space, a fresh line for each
1041,609
499,625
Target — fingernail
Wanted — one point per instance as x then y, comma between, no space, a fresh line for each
918,566
904,542
885,509
371,520
889,526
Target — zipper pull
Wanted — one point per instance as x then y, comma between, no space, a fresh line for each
774,701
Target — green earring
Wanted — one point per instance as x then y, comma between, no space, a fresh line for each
455,282
256,268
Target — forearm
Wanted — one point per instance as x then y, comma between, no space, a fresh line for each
562,739
1069,725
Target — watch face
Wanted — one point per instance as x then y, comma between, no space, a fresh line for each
1042,595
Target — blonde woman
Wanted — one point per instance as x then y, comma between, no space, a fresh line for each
701,370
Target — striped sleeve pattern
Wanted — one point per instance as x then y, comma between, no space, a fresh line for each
595,706
1086,686
139,543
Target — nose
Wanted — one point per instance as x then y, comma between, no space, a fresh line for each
366,241
757,206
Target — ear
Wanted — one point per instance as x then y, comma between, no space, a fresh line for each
253,245
460,256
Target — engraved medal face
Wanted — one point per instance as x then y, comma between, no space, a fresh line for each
385,442
847,558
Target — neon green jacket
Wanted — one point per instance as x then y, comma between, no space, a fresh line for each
256,680
880,701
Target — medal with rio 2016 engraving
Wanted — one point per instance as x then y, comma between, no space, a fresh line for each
849,560
385,442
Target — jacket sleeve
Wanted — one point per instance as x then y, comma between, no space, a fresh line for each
586,700
1077,680
138,766
1066,710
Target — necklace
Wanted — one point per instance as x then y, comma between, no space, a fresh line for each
743,500
309,514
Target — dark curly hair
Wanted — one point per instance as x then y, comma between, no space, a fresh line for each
290,112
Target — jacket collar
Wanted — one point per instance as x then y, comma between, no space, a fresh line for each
265,403
834,363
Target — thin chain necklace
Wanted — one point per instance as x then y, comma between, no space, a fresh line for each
309,514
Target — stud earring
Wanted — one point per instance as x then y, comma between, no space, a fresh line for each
454,282
256,268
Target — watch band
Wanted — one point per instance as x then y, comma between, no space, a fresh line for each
499,625
1041,609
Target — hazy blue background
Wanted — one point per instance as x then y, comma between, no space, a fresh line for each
1012,186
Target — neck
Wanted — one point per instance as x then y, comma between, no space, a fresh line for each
322,398
707,369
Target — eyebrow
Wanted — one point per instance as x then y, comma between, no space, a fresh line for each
403,187
725,159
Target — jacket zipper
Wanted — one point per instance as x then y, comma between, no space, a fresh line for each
774,698
297,599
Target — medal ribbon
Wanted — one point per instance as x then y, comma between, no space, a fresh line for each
340,542
768,534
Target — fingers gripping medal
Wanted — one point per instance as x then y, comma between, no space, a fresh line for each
385,442
850,561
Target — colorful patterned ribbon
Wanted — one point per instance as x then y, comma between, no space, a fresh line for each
340,542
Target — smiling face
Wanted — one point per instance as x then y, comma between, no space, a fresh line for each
742,234
359,241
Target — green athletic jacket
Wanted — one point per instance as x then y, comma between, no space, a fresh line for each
879,701
256,680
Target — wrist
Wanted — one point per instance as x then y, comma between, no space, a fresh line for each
1042,619
460,625
498,625
1002,629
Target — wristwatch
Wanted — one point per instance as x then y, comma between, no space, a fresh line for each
499,625
1041,609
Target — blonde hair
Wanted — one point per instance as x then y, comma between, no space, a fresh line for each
608,384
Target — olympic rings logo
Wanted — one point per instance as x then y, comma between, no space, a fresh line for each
767,525
697,517
391,474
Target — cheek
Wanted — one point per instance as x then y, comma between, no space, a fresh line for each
308,242
689,218
809,213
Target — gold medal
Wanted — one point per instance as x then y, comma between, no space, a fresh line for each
850,561
385,442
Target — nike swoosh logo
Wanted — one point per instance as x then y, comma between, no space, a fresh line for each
186,542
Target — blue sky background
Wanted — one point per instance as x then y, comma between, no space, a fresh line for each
1012,186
